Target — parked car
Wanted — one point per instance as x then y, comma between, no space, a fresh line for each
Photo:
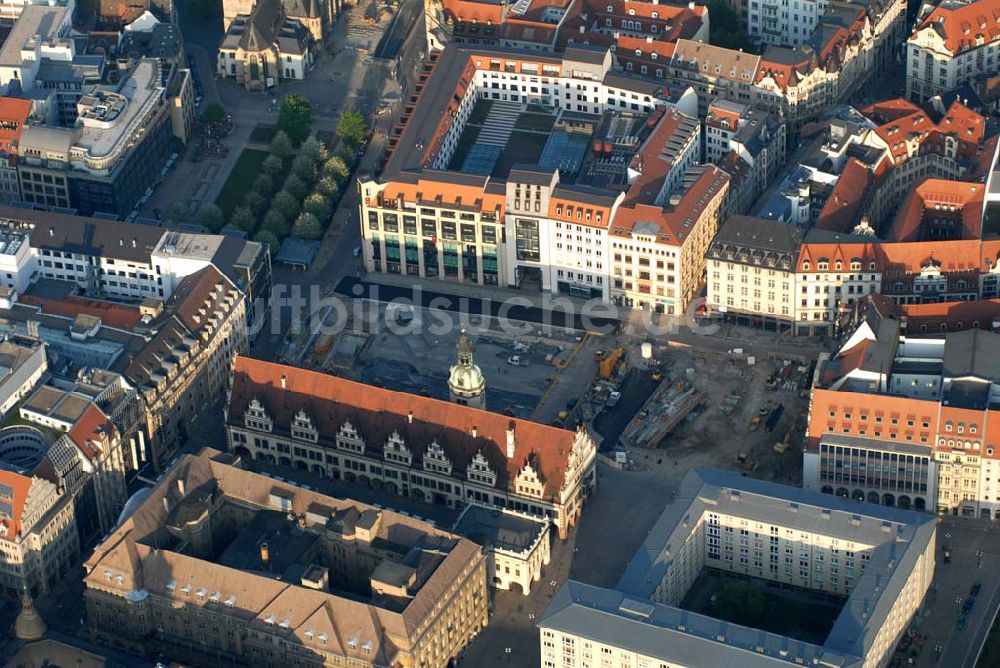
517,360
976,588
356,251
967,606
613,398
960,622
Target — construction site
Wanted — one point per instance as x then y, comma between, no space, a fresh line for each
654,404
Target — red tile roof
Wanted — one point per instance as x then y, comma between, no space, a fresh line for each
114,315
834,252
909,130
376,413
92,432
947,316
840,213
474,12
939,200
19,486
961,28
13,113
677,223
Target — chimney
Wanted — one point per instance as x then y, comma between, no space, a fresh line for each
284,381
475,431
265,555
649,40
180,486
409,418
510,440
133,242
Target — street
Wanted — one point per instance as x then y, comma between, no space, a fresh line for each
959,648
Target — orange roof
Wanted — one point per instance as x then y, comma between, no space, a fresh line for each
840,213
858,404
568,209
626,47
376,413
834,252
91,431
898,258
473,12
13,114
942,200
649,161
430,190
886,111
19,486
673,224
907,129
931,317
961,27
114,315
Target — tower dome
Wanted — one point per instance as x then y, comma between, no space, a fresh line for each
29,625
466,384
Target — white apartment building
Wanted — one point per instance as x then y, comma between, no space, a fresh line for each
121,260
751,272
39,33
953,43
22,365
834,272
783,22
881,560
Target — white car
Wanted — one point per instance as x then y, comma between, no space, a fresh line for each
356,251
515,360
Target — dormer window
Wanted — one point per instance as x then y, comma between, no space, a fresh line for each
436,460
349,439
302,428
257,418
480,471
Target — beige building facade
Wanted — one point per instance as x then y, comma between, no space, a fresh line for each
222,565
38,537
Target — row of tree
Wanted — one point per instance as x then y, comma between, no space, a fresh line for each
296,192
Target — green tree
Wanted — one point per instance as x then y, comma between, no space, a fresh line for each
286,204
263,184
179,212
296,187
336,169
353,129
214,113
269,239
243,218
319,206
327,186
315,149
307,226
272,165
256,202
295,117
211,216
741,603
304,167
275,222
280,145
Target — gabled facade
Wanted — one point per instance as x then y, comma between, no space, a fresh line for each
429,450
